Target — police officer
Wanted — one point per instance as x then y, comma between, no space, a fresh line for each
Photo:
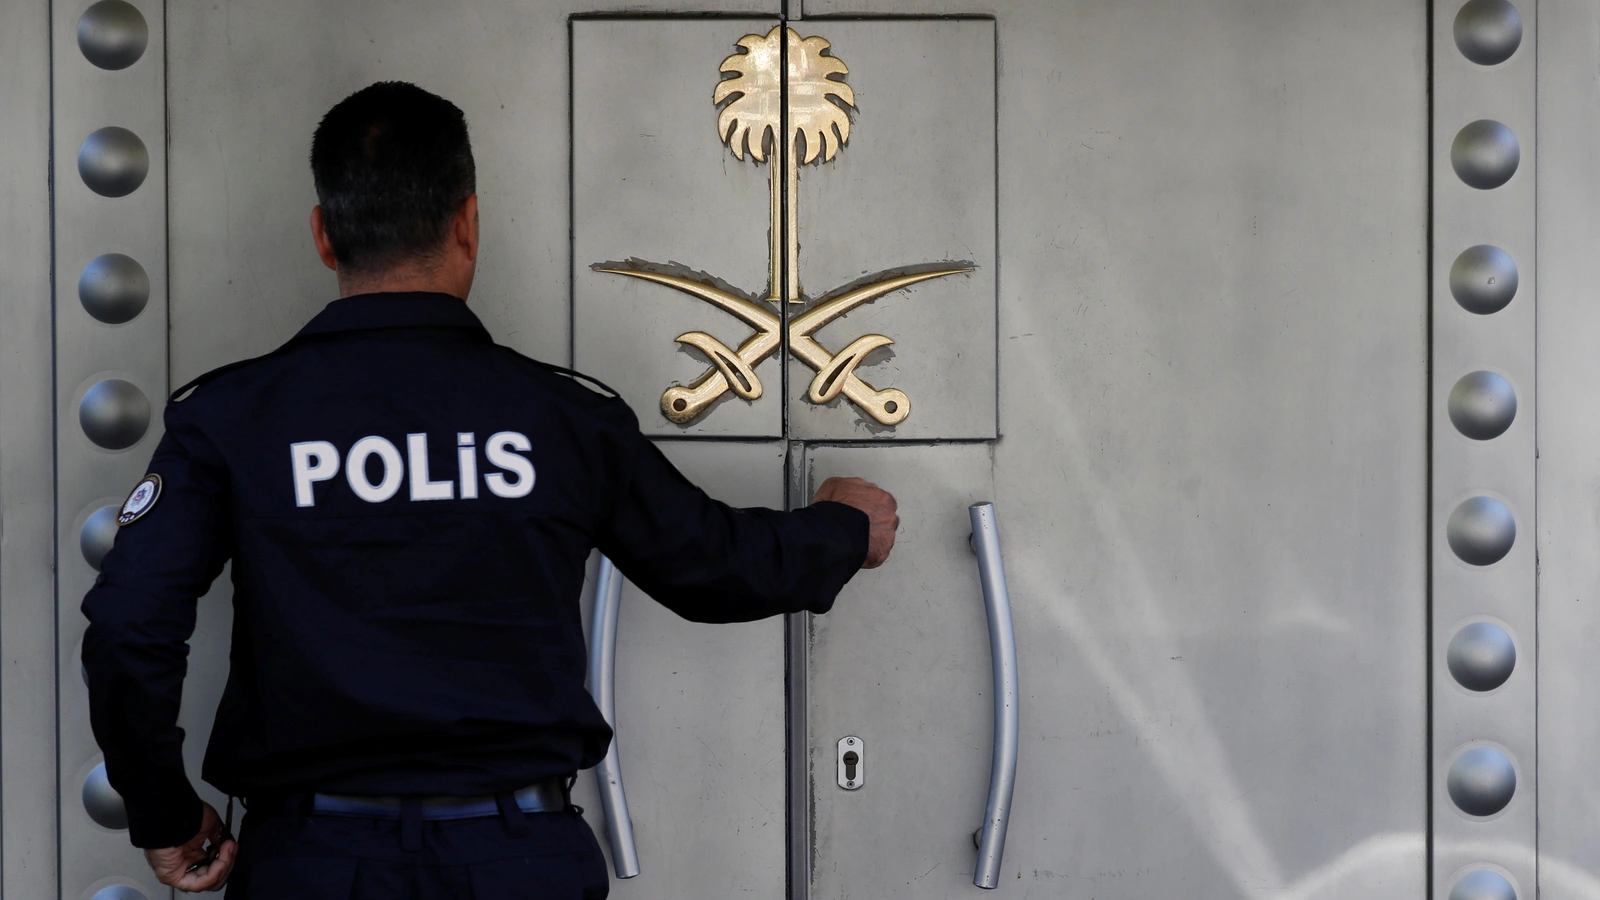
409,508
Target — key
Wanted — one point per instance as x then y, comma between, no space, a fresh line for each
215,847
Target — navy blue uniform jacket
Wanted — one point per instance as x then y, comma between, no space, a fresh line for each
409,508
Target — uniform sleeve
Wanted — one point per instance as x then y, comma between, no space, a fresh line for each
710,562
141,613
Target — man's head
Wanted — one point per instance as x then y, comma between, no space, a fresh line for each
396,184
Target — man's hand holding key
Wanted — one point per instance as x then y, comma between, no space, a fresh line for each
194,867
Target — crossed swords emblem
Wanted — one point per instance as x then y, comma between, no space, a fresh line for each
818,125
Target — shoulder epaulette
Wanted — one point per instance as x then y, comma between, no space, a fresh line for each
573,374
182,393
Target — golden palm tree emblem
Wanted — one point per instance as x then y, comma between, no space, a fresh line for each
751,122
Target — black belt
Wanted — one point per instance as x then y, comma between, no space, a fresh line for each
545,796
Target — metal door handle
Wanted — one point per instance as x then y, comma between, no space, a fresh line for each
602,684
1003,653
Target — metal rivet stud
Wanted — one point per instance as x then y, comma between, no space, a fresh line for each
102,801
1483,884
113,162
98,534
1483,279
113,34
1482,405
114,288
1481,781
1481,656
117,892
1481,531
114,414
1488,31
1485,154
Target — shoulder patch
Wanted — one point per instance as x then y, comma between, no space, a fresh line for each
141,500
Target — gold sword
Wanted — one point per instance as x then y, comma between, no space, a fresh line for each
681,404
836,372
735,369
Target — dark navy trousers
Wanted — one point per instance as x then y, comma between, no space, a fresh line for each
291,856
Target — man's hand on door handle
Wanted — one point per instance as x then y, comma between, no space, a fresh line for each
879,506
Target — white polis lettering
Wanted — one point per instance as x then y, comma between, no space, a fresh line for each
467,465
313,461
496,448
421,487
316,461
355,469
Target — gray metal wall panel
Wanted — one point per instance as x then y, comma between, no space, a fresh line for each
28,787
1213,472
821,9
1568,435
88,352
1474,729
248,89
701,720
249,86
913,186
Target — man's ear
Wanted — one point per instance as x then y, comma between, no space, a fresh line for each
466,227
320,238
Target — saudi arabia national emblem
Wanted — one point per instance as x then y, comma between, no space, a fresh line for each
750,120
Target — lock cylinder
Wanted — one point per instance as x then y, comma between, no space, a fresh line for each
852,763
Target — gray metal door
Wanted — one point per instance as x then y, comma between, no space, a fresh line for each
1221,303
902,667
225,101
700,720
1212,393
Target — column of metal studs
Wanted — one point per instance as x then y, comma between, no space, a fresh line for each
1483,451
111,358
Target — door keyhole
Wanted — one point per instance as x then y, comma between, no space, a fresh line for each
852,765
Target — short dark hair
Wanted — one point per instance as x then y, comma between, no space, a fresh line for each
392,165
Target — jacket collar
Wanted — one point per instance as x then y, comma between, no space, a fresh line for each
361,312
